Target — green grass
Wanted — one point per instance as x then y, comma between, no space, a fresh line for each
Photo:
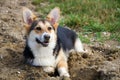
94,16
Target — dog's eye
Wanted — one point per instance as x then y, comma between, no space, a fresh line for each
38,28
49,28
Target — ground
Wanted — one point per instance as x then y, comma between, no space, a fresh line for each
101,63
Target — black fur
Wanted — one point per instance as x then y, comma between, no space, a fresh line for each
57,48
66,37
28,55
33,25
65,40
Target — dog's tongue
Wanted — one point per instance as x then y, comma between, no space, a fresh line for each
46,41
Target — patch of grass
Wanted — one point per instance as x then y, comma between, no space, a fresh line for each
36,2
100,37
90,37
84,39
71,19
86,15
94,26
115,36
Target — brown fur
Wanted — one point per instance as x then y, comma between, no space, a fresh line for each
62,60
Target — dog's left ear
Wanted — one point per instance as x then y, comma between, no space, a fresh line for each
54,16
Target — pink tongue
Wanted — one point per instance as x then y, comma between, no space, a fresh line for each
45,41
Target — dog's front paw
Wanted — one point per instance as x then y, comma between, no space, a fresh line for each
63,72
48,69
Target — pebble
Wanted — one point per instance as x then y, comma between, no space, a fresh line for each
18,72
85,55
110,59
118,47
66,78
1,57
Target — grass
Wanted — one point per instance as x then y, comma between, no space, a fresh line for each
86,16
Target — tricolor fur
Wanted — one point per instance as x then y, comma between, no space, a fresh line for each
47,43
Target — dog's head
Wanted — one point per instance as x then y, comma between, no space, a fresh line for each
41,31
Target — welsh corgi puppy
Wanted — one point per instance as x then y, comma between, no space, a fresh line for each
47,44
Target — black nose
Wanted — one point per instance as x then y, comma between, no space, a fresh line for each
46,37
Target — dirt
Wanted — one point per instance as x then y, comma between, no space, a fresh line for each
101,63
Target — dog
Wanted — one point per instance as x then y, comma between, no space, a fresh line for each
48,44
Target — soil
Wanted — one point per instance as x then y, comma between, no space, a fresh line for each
101,63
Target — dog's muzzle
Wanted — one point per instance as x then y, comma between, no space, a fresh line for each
45,43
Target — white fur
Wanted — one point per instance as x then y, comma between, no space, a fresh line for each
63,72
48,69
42,37
78,46
43,55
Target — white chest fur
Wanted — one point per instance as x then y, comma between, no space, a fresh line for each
43,55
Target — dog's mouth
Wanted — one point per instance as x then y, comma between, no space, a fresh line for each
44,43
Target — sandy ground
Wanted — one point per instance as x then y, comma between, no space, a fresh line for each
102,62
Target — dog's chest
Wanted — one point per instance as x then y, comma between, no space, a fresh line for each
43,56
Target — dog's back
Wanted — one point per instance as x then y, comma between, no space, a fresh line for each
67,38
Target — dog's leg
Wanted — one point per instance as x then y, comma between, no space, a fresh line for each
62,66
63,69
78,46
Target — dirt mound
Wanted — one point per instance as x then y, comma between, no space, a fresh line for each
102,63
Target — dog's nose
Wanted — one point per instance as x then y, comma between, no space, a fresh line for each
46,37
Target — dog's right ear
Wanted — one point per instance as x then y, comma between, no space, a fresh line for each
28,17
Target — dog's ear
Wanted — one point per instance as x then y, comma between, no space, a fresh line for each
54,16
28,18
